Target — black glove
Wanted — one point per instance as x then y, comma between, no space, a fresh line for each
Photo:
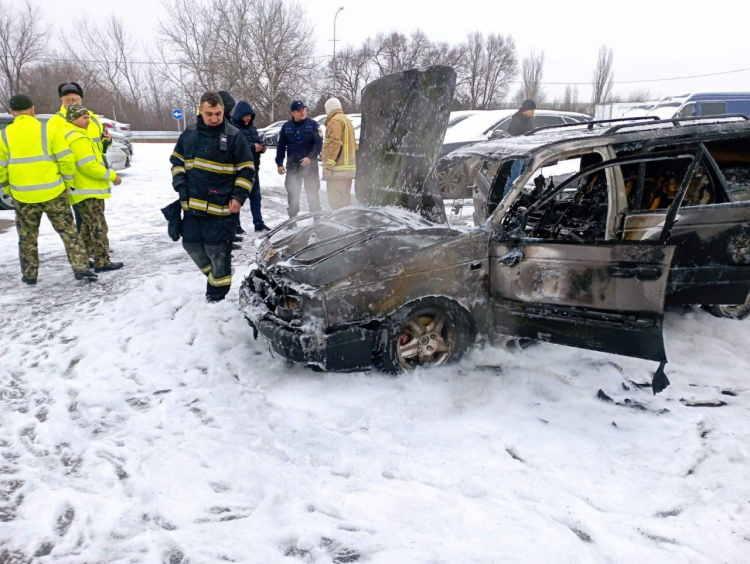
173,215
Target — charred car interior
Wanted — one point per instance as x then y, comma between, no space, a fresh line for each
584,233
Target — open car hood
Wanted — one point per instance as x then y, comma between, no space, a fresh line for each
404,120
324,248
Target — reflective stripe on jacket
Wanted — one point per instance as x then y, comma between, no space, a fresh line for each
92,176
94,131
207,174
339,146
35,166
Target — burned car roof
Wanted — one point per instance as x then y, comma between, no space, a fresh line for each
525,145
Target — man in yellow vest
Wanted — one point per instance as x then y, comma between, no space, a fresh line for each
35,169
338,156
90,188
72,93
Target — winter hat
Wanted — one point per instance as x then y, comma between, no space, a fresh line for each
528,105
20,102
75,111
332,104
69,88
228,101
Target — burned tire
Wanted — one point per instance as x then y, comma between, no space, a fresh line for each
738,312
427,332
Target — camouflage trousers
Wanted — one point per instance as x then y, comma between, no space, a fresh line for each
94,231
28,218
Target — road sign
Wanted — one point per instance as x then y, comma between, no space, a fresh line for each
177,113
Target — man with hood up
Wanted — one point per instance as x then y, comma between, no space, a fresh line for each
339,155
243,119
229,103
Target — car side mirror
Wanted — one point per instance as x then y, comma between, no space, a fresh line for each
499,134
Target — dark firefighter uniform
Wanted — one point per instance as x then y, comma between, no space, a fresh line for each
210,166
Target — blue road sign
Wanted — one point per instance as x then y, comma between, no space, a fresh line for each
177,113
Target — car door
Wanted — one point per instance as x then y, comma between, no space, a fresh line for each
711,233
560,280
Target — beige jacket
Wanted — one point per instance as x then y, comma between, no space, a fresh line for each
339,147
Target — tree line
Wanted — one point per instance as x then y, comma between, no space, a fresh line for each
263,51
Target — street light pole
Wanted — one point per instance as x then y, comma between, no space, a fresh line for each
334,49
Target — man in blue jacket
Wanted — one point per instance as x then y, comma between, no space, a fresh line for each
300,142
243,119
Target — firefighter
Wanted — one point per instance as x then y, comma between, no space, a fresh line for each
36,167
213,172
90,188
339,156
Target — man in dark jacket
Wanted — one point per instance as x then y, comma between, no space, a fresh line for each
228,100
523,120
213,171
300,142
243,119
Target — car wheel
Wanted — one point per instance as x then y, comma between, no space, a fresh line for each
6,202
449,181
426,333
738,312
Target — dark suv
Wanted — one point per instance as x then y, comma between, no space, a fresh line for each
605,225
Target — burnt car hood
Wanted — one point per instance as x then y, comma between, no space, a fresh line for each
404,119
322,249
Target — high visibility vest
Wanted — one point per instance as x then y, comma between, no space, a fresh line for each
35,165
92,176
94,131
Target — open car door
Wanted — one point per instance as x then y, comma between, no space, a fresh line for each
554,277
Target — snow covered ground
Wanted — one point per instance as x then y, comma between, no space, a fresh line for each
140,424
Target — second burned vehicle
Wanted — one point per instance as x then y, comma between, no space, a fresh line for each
606,224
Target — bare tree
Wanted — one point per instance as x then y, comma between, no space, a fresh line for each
109,55
532,70
353,72
602,82
640,95
23,40
284,45
396,52
489,64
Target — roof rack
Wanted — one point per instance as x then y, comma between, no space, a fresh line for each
677,122
590,124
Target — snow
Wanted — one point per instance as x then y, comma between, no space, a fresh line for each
140,424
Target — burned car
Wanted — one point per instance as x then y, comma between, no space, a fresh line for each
605,224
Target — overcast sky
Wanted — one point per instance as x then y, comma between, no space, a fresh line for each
659,39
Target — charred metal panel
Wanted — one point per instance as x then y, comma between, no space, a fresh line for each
404,119
456,269
627,335
618,277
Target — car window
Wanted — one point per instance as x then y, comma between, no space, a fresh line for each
503,125
543,121
733,159
713,108
688,111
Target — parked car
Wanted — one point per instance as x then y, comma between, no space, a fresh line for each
484,125
116,127
647,219
702,104
270,134
119,155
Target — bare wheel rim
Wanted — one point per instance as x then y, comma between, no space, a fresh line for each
427,338
448,179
